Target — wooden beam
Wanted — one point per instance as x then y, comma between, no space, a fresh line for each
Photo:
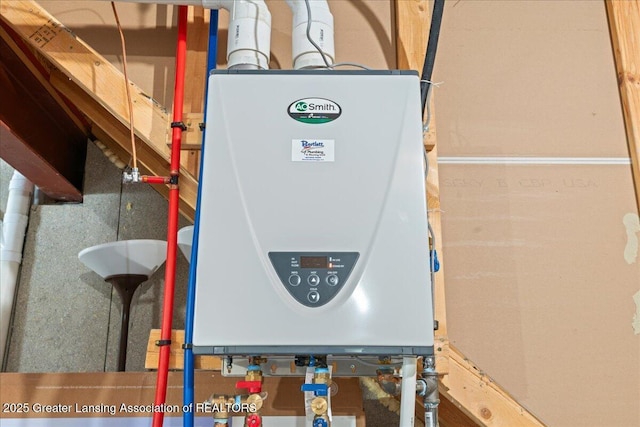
86,68
90,80
196,69
35,168
451,415
624,26
481,399
412,28
176,359
413,19
40,68
115,135
191,138
39,138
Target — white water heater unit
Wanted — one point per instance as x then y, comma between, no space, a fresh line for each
313,224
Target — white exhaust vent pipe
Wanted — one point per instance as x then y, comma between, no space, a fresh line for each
249,44
304,54
14,226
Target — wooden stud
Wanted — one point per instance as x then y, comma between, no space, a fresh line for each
86,68
413,19
115,135
481,399
412,29
624,26
192,137
41,71
196,66
450,415
196,69
176,359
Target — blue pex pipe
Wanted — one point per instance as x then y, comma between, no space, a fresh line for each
188,373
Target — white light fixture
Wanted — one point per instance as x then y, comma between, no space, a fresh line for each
185,239
125,264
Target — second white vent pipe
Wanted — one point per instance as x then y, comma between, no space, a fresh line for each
249,39
305,55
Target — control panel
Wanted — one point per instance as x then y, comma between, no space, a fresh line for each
313,278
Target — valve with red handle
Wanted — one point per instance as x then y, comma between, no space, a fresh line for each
252,386
252,381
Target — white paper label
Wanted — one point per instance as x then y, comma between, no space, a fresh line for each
312,150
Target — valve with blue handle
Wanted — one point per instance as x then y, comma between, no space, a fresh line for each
317,389
320,390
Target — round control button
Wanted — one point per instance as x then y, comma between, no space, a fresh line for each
332,280
313,280
313,297
294,280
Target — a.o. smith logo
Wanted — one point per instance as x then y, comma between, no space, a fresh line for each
314,110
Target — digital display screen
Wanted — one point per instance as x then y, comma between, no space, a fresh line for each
313,262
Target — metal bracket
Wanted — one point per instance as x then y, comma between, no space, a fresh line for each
180,125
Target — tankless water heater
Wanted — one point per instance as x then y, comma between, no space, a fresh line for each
313,225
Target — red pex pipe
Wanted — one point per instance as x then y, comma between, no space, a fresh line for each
155,179
172,229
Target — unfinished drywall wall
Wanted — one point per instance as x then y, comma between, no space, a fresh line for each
539,292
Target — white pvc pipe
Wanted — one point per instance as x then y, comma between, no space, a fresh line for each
14,226
304,54
408,393
249,39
